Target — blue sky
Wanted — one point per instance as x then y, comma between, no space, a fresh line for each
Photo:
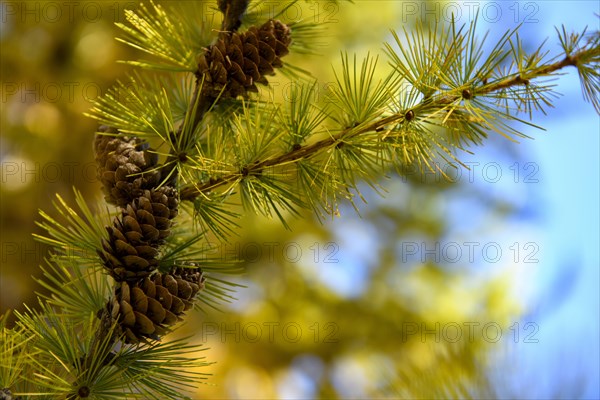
564,219
568,156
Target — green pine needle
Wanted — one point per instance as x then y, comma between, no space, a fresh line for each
162,370
59,342
466,91
180,88
255,134
423,53
55,334
588,63
141,106
216,292
320,188
78,235
300,117
358,95
173,36
75,289
15,351
184,248
216,216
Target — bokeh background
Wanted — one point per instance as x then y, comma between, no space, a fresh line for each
485,286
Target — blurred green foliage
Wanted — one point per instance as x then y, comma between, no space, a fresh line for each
56,60
381,331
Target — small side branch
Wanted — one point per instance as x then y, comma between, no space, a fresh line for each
539,72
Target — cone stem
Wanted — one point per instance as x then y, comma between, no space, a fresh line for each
232,13
232,19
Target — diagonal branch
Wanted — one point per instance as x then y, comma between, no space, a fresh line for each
311,150
536,73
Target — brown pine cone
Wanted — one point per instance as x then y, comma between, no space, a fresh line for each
125,167
237,61
130,252
146,309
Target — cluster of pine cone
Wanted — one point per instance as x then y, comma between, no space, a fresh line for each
145,302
